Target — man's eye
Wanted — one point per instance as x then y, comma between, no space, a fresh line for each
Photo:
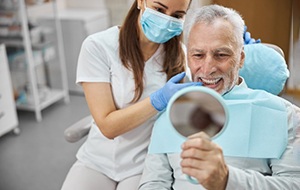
221,55
198,55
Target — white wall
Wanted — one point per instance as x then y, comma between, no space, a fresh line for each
93,4
118,8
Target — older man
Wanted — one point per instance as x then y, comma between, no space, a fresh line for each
215,55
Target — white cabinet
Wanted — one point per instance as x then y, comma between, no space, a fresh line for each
37,54
8,114
77,24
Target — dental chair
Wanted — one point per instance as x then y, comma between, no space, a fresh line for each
264,68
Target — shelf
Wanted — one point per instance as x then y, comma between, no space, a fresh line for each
38,49
12,41
10,10
53,96
18,42
42,56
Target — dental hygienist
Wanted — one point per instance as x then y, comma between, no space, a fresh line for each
124,72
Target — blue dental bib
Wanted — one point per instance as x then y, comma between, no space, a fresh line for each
257,127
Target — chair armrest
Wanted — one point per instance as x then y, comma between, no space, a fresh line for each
78,130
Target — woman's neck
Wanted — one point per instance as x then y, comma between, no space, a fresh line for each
148,48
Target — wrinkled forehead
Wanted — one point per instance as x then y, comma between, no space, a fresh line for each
212,34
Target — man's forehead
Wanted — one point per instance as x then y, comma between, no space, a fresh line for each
217,37
217,22
216,29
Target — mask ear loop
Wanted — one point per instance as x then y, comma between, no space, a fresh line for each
145,5
138,7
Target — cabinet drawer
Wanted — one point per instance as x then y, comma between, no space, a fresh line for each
8,114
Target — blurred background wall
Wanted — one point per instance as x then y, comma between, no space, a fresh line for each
273,21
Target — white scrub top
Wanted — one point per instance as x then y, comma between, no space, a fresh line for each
99,62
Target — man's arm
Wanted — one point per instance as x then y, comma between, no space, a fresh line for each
157,173
250,179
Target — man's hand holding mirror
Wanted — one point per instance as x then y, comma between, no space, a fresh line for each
200,114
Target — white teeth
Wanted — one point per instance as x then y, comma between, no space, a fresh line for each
210,81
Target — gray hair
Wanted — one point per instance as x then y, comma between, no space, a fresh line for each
208,14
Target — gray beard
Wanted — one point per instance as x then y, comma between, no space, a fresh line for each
235,82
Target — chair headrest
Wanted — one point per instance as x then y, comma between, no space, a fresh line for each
264,68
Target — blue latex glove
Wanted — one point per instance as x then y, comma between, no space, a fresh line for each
248,39
161,97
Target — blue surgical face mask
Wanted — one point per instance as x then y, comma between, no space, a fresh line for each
159,27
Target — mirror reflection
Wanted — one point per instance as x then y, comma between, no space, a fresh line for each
196,111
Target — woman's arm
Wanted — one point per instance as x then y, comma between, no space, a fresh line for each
113,122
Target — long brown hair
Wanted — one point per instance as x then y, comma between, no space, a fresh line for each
132,57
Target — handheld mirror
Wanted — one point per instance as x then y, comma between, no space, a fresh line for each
196,109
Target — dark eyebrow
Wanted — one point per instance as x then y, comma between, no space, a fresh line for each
181,12
161,4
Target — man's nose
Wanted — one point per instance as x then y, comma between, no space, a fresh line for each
208,66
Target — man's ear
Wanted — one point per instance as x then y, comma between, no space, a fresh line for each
242,60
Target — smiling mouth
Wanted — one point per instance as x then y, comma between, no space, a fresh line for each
207,82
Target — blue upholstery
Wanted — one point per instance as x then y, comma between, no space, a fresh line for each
264,68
